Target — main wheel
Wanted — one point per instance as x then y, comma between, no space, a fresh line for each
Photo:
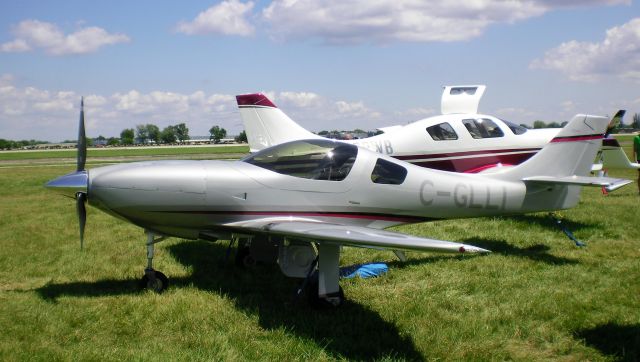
157,284
333,301
244,259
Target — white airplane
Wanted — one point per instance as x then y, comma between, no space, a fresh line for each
299,202
459,140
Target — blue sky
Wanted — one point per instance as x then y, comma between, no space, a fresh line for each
328,64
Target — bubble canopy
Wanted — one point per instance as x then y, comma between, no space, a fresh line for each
310,159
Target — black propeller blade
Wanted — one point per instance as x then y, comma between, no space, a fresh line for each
82,140
81,198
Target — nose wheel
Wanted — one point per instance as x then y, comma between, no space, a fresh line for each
153,279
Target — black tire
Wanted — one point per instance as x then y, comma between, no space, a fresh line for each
321,303
160,285
244,258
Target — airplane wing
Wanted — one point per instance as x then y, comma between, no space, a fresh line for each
358,236
609,182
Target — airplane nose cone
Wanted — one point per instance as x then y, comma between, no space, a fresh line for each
69,185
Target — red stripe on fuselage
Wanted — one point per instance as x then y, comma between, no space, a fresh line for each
367,216
479,162
577,138
466,153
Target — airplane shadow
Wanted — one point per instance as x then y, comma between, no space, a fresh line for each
538,252
547,222
353,331
622,342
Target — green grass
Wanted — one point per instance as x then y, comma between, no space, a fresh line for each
125,152
536,297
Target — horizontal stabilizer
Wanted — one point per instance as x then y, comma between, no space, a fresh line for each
357,236
609,182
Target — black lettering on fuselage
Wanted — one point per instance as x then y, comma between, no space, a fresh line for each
387,147
425,199
460,195
472,201
470,196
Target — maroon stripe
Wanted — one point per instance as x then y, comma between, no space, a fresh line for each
577,138
475,163
255,99
486,167
467,153
368,216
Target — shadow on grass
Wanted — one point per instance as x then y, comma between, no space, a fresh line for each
537,252
622,342
107,287
547,222
353,331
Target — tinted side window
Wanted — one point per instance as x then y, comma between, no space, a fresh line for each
482,128
442,132
515,128
387,172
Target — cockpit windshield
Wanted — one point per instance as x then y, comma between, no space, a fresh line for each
310,159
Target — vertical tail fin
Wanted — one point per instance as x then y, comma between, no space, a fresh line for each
265,124
570,153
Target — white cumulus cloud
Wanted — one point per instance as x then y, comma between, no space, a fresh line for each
228,17
34,34
366,21
618,55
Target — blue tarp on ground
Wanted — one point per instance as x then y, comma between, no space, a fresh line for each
369,270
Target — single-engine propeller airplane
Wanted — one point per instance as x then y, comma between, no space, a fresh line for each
458,140
314,196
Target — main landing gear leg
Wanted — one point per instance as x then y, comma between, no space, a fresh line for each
326,291
153,279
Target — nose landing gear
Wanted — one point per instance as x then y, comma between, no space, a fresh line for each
153,279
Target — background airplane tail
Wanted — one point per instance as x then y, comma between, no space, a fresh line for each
554,176
265,124
570,153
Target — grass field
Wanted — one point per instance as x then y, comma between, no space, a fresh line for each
126,152
536,297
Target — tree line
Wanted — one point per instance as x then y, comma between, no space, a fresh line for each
148,133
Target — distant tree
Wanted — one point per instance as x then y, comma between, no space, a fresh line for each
113,141
142,134
169,134
127,136
217,133
358,130
554,125
636,121
242,137
89,141
182,132
539,124
101,138
323,133
154,133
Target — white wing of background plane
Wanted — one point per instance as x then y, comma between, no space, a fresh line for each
357,236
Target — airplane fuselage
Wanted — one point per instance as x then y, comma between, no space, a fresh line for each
460,151
187,198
